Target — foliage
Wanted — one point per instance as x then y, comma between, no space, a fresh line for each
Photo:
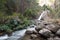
16,14
30,13
55,12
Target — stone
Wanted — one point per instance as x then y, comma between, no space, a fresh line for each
29,32
58,32
52,27
33,36
45,32
38,28
52,35
50,38
56,38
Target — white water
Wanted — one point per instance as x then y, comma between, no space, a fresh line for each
17,34
3,37
43,14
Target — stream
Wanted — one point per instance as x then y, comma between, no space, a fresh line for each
19,34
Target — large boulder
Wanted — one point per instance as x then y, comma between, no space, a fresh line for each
38,28
31,32
32,37
50,38
56,38
58,32
45,32
52,27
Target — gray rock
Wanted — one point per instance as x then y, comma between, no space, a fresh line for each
41,25
52,35
45,32
50,38
58,32
52,27
33,36
29,32
56,38
38,28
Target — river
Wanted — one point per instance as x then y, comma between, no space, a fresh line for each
19,34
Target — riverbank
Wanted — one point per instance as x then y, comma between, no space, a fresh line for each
44,31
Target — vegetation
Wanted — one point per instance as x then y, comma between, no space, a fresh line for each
55,12
16,14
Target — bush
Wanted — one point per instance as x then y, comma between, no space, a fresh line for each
4,27
30,13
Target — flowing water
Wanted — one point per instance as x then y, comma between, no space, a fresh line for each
43,14
17,34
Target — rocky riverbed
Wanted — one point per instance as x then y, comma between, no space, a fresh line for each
44,31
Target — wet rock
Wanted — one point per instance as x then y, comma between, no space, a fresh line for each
29,32
52,27
45,32
2,33
58,32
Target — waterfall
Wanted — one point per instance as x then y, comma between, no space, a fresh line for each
43,14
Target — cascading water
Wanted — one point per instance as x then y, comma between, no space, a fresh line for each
3,37
17,34
43,14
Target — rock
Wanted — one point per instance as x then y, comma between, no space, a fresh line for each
46,23
45,32
42,25
38,28
52,35
2,33
33,36
52,27
56,38
35,32
32,26
50,38
29,32
26,37
58,32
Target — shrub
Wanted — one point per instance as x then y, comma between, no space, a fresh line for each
30,13
4,27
